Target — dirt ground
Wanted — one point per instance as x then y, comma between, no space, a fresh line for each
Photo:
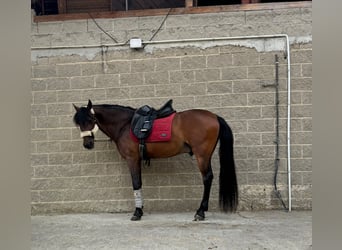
243,230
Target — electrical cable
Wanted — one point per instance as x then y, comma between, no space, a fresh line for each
160,26
276,191
109,35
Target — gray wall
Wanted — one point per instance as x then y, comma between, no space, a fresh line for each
225,77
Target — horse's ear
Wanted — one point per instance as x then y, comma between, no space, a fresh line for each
76,108
90,105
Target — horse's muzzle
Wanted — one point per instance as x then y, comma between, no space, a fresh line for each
88,142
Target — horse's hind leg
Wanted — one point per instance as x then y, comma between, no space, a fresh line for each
207,177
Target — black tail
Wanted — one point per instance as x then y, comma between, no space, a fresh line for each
228,196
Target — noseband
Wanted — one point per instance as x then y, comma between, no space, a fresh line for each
93,131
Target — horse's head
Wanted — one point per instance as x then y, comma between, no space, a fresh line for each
86,121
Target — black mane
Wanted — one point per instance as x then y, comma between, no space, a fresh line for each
114,106
82,116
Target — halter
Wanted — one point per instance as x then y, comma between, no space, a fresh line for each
90,132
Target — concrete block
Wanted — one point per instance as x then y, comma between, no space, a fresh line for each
59,109
219,87
43,97
94,94
207,101
306,70
247,139
221,60
150,22
58,83
307,124
261,99
118,66
234,73
245,113
245,59
47,122
263,125
77,38
39,40
168,90
77,26
246,86
177,21
126,24
38,85
38,134
142,66
193,62
41,71
161,77
68,70
229,100
261,72
117,93
82,82
105,24
301,83
302,164
52,195
287,15
301,110
192,89
106,156
261,152
39,159
83,157
107,81
307,151
57,171
59,134
302,138
70,95
89,69
167,64
217,18
205,75
132,79
171,192
60,158
49,27
301,56
184,76
307,178
260,179
261,16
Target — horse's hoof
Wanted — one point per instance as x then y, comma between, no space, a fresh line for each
137,214
198,217
135,218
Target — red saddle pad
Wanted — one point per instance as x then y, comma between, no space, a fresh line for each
161,130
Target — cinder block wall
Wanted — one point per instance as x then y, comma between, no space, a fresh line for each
222,77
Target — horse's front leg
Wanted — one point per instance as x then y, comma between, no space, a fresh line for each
135,169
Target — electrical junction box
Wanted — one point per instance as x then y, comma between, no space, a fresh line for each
135,43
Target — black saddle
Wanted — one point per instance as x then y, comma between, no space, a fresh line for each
144,117
142,122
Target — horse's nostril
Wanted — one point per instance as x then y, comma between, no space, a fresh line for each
89,145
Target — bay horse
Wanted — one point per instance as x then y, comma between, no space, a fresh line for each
194,131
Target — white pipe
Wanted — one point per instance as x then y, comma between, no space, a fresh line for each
289,122
287,50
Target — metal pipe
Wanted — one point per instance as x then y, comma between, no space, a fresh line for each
287,51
